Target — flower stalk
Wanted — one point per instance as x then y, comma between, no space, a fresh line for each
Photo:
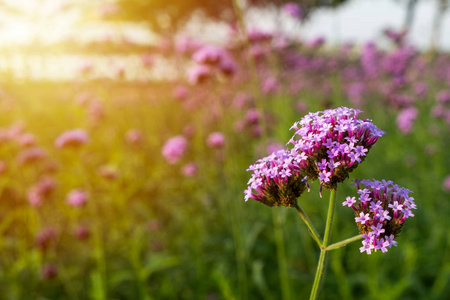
323,250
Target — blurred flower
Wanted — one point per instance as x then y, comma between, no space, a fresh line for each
446,184
72,138
269,85
210,55
108,172
216,140
395,36
198,74
332,143
40,190
186,44
443,96
355,93
174,149
293,9
133,136
189,131
316,43
190,169
48,271
256,35
277,179
180,92
370,59
77,198
381,210
420,89
82,232
147,59
30,155
45,237
26,140
252,116
405,119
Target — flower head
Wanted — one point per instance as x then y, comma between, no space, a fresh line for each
77,198
334,142
174,148
277,179
216,140
72,138
381,219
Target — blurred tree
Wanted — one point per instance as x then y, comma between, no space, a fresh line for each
442,7
161,15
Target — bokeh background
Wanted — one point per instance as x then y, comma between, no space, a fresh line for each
127,128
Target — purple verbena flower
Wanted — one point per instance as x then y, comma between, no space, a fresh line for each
77,198
335,143
72,138
174,149
277,179
216,140
293,9
381,219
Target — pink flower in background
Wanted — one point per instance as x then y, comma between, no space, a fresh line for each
48,271
180,92
198,74
45,237
26,140
186,44
147,59
216,140
174,149
108,172
316,43
38,192
252,116
443,96
405,119
133,136
256,35
30,155
293,9
72,138
446,184
82,232
420,88
190,169
269,85
211,55
77,198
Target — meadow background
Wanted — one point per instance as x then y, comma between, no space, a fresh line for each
99,201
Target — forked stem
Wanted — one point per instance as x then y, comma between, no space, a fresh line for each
323,250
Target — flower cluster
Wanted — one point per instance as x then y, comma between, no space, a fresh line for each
277,179
381,210
174,149
72,138
332,143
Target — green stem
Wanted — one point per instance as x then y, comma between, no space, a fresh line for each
344,242
312,230
323,251
281,255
